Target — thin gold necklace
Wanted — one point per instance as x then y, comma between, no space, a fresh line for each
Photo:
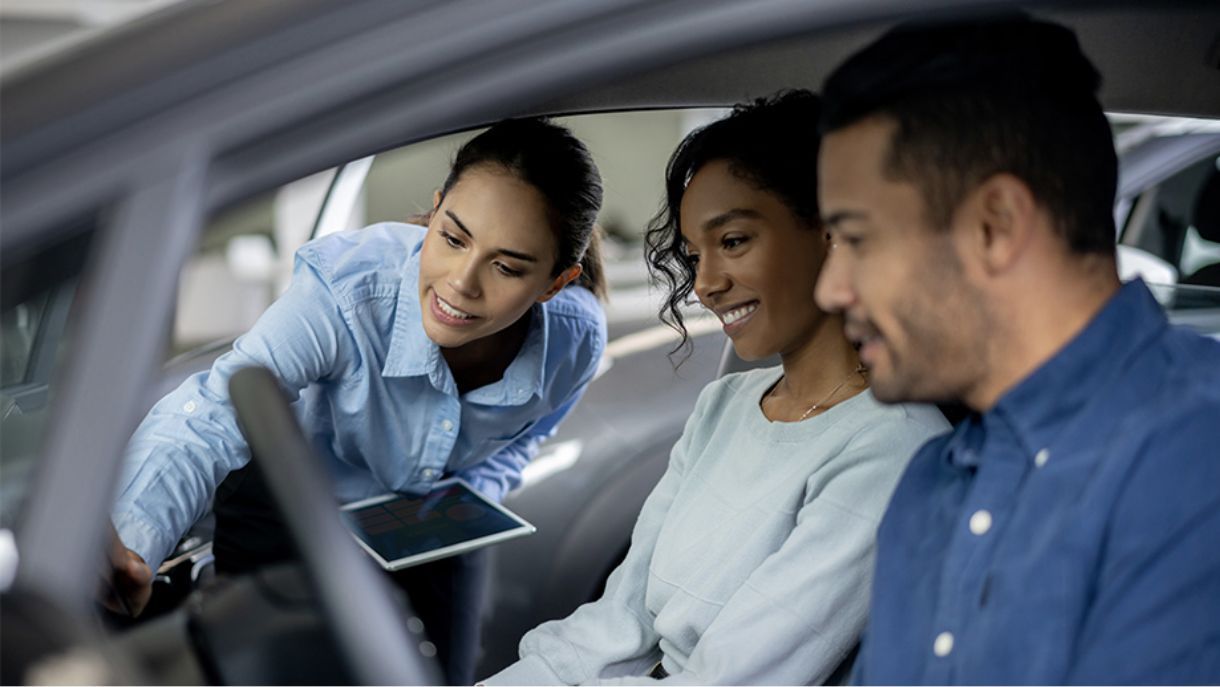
809,411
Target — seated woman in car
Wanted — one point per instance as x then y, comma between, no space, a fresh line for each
751,560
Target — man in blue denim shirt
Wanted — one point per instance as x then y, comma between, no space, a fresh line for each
1068,531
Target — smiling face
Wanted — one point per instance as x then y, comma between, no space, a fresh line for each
488,256
755,262
900,284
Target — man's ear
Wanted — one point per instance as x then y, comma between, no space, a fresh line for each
565,277
1001,221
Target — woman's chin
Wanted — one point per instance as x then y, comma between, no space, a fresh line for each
749,353
443,336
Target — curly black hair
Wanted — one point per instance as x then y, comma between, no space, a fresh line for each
769,142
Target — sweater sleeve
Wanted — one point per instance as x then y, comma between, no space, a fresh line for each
613,635
798,615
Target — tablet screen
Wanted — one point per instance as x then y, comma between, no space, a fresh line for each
402,530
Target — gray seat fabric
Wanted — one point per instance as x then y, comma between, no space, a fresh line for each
1207,223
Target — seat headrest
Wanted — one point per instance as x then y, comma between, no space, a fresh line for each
1207,207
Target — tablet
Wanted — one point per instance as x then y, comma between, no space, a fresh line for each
400,531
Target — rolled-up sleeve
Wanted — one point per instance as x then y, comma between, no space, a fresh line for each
190,440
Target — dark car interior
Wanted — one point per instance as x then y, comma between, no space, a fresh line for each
1207,223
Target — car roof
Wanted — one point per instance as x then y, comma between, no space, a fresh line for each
238,78
189,47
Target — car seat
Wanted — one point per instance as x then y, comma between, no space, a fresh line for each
1207,223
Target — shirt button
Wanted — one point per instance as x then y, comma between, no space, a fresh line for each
190,407
428,473
980,522
943,645
447,425
1041,457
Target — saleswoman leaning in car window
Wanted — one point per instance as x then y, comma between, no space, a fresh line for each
412,353
751,559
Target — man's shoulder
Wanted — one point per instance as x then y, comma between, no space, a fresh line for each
1190,386
1191,353
1166,447
1166,484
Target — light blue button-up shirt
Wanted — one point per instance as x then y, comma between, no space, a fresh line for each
346,341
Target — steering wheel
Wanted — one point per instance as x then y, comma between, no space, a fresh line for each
367,620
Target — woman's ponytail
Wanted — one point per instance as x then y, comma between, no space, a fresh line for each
592,273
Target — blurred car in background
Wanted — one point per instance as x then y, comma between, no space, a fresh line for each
119,156
1168,205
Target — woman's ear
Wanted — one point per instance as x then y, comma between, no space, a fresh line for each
565,277
436,200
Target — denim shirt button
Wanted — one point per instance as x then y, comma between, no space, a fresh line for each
980,522
1041,457
943,645
447,425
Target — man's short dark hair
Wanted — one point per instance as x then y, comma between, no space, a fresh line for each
978,98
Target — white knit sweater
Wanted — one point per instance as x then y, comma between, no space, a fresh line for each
751,561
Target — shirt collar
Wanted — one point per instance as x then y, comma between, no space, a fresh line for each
1038,407
413,354
964,445
525,376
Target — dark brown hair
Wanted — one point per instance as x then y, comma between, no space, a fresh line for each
549,158
977,98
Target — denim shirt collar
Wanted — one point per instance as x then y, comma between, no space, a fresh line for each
1036,410
413,354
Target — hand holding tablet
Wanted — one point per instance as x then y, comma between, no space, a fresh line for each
400,531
